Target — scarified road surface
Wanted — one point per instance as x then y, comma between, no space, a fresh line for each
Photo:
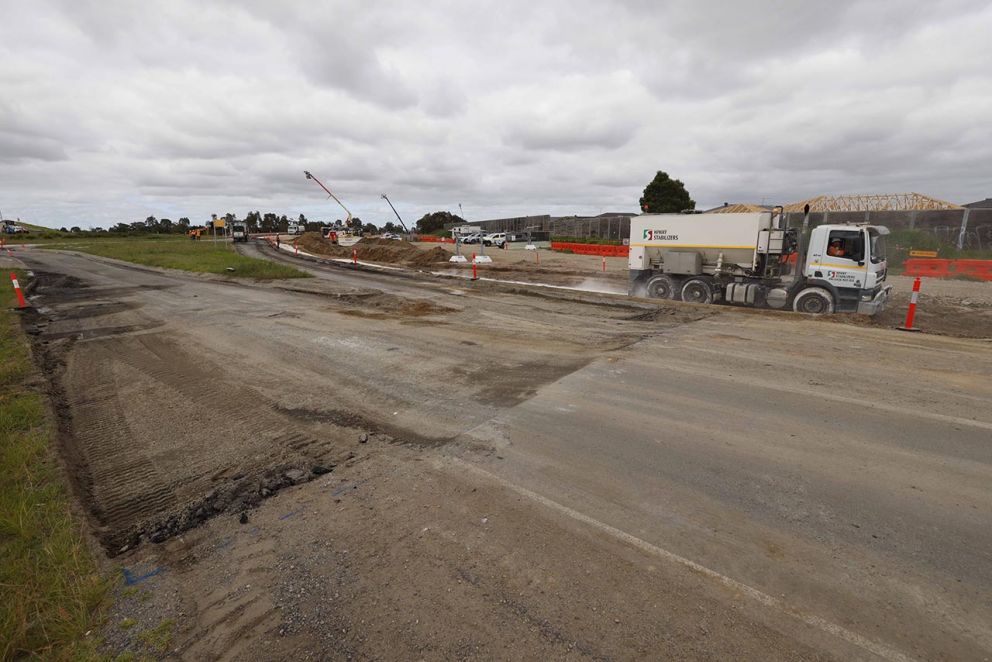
555,475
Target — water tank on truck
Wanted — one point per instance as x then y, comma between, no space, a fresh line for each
758,260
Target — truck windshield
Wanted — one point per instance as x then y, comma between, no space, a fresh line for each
877,247
849,244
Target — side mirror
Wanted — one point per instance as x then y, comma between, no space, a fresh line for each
861,263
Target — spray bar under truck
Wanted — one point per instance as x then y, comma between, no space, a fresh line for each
754,260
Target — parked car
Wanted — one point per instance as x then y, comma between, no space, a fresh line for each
389,235
473,238
497,239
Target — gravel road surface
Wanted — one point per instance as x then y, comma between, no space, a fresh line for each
367,466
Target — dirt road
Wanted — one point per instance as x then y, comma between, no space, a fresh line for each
437,470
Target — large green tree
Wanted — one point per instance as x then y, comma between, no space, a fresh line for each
436,221
665,195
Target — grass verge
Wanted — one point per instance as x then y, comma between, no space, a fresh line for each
202,256
52,591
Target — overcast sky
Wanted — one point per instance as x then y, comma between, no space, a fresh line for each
111,111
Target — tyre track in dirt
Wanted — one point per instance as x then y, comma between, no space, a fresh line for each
184,399
144,473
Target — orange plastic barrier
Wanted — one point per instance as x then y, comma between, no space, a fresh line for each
931,267
976,268
591,249
941,268
433,239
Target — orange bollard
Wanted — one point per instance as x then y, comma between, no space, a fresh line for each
354,257
537,254
21,303
911,312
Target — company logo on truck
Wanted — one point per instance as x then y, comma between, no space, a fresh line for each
660,235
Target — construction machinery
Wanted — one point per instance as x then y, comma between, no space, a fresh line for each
239,231
402,224
754,259
328,191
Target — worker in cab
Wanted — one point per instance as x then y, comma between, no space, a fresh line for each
836,248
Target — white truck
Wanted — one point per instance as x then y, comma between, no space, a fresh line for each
751,259
239,231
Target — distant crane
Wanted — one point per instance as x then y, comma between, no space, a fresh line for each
397,213
309,176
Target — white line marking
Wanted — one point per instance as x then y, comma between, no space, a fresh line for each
881,650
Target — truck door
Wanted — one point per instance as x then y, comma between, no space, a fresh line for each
841,261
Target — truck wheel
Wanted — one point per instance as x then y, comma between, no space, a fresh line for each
661,287
697,290
814,301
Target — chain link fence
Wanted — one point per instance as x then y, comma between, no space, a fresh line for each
615,228
968,229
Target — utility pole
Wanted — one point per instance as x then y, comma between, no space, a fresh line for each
397,213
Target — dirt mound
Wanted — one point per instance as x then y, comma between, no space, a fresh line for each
429,257
397,251
385,253
389,251
313,243
376,241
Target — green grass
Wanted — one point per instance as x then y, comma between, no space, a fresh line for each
177,252
900,242
52,591
158,638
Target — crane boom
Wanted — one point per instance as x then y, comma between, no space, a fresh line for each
310,176
405,229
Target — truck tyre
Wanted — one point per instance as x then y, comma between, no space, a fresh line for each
697,290
814,301
661,286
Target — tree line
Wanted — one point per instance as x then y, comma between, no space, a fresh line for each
271,222
256,221
662,195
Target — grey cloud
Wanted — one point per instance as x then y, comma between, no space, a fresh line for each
187,108
16,148
549,134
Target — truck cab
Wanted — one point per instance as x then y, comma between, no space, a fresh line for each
239,231
849,262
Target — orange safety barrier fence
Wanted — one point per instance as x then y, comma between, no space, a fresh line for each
433,239
591,249
943,268
976,268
